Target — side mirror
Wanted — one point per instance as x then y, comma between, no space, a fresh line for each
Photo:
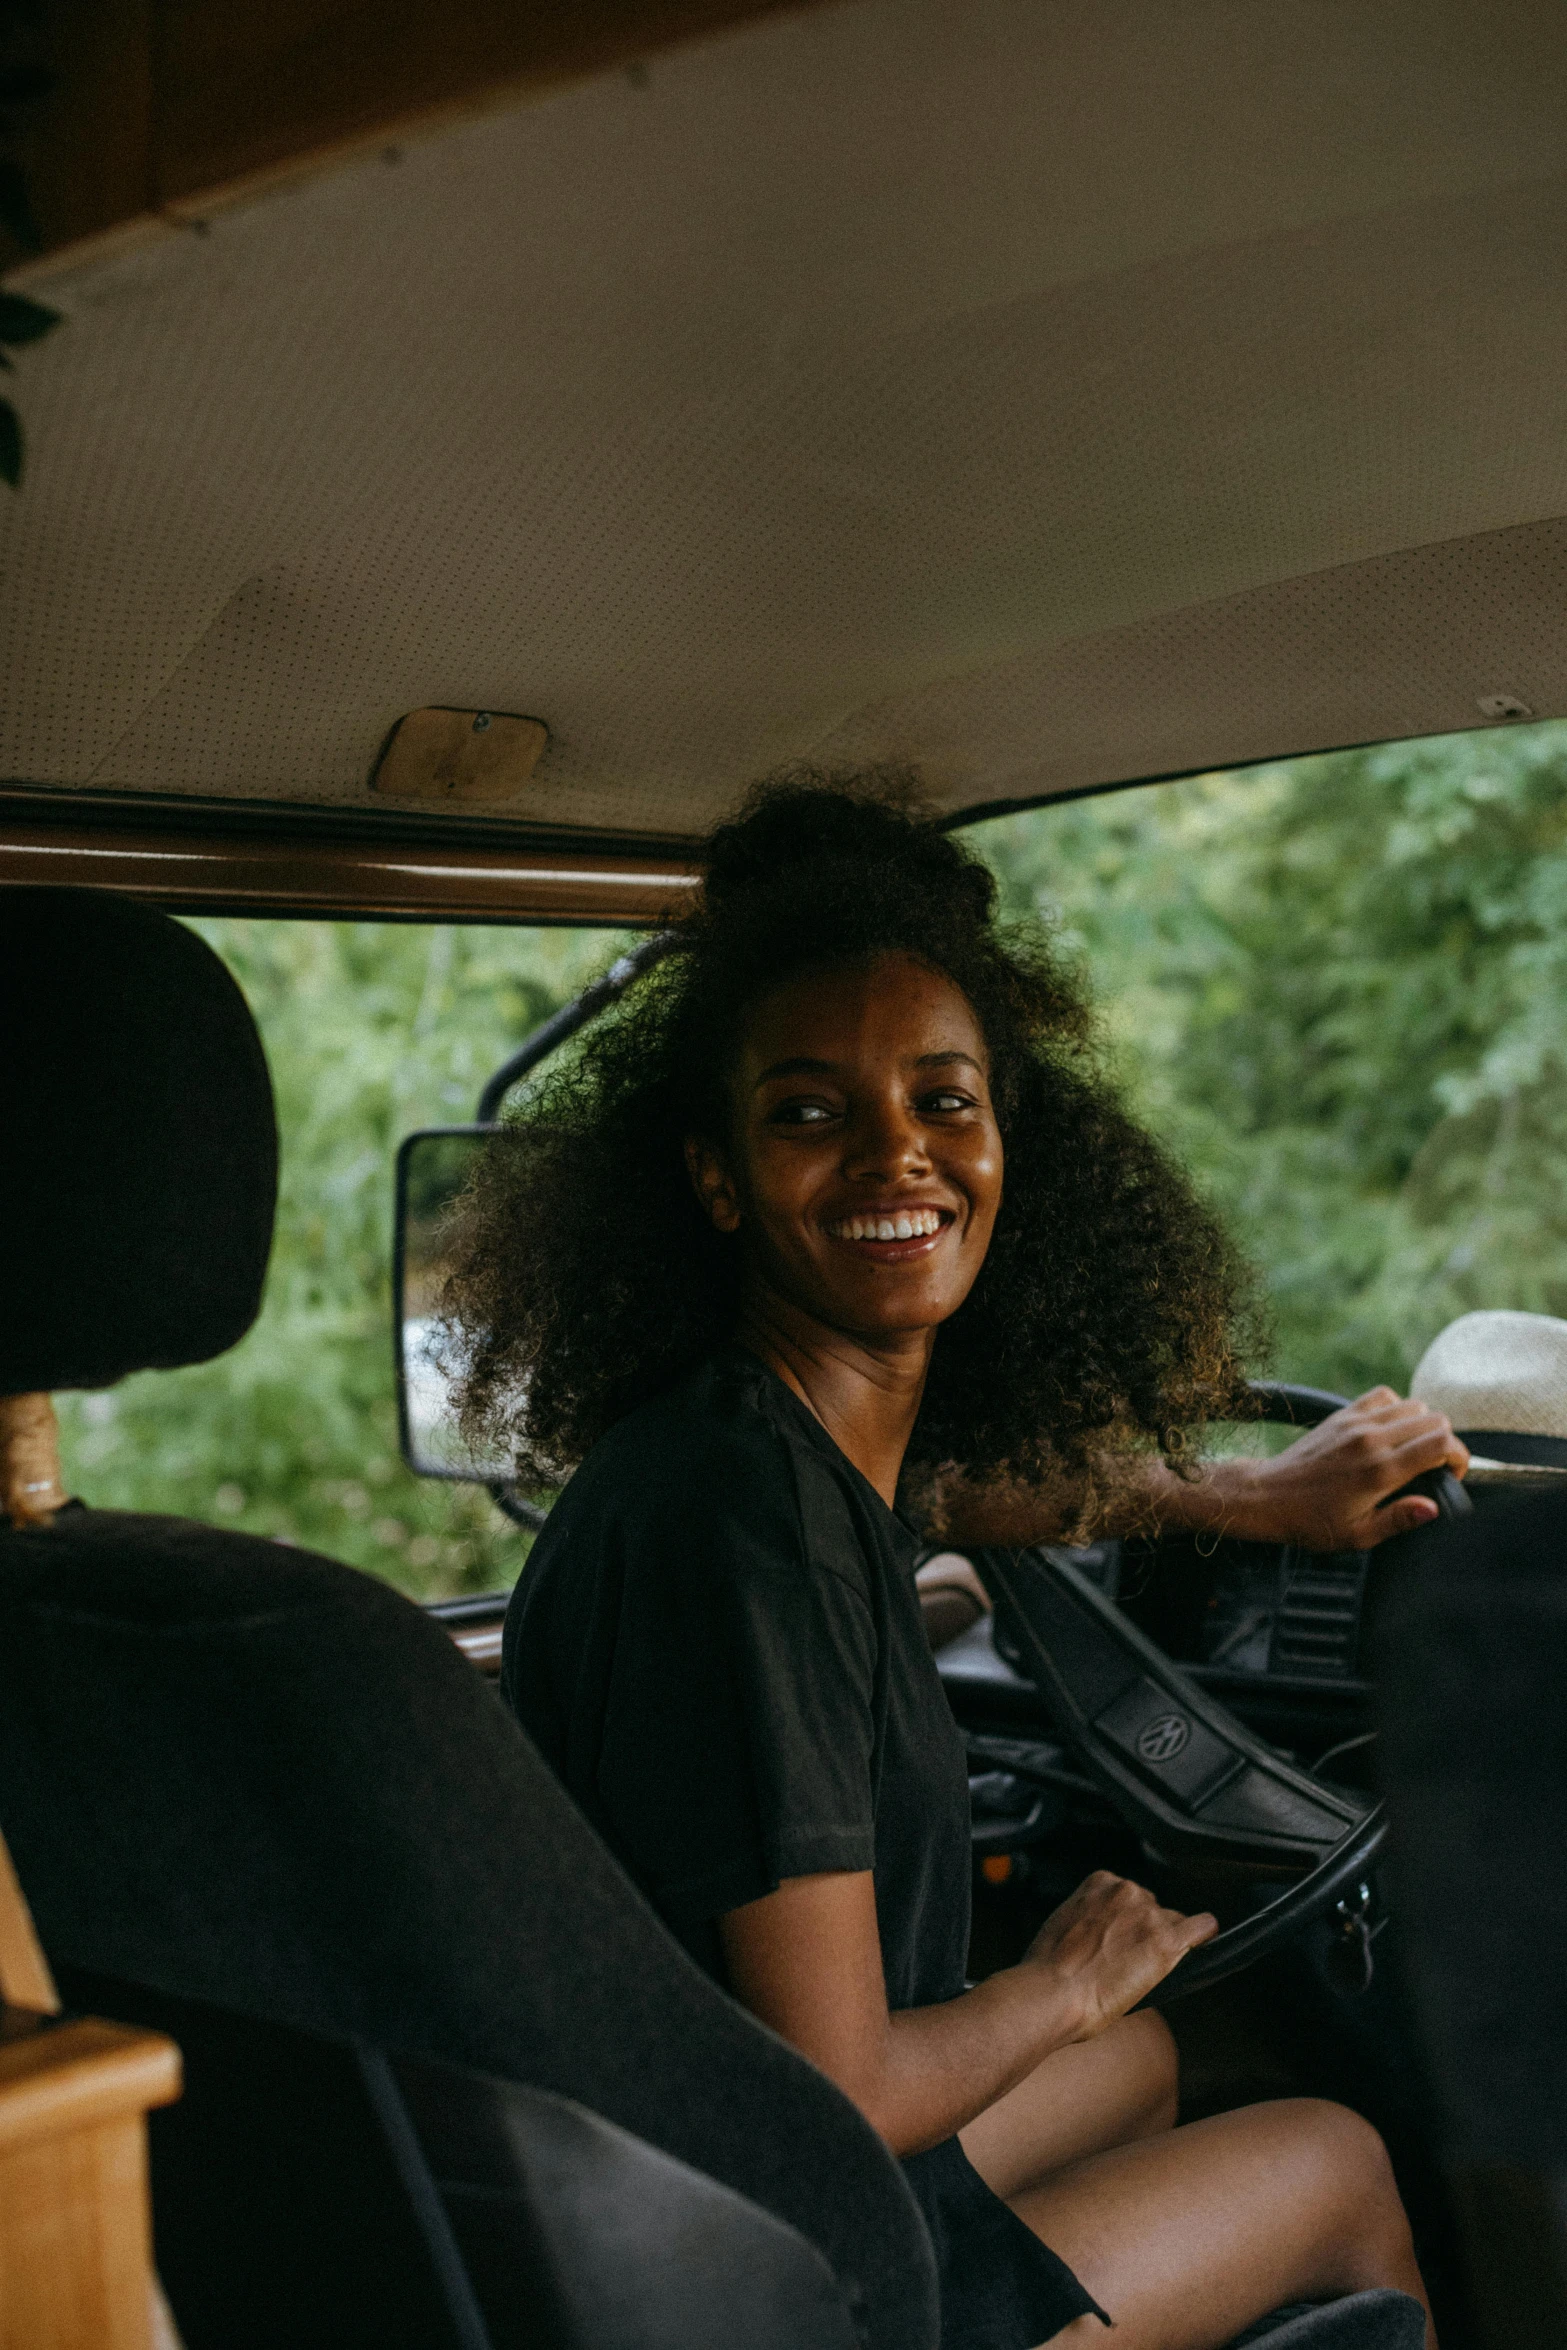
433,1169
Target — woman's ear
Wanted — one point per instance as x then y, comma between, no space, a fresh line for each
713,1184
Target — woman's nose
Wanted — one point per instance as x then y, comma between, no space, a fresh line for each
885,1142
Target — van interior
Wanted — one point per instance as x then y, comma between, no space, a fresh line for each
449,455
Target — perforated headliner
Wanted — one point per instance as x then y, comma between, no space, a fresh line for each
1052,391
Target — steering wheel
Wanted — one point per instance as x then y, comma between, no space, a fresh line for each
1188,1778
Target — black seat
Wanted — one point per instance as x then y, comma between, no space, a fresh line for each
1471,1654
448,2078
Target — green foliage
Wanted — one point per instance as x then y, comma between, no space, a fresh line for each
371,1030
1337,986
25,78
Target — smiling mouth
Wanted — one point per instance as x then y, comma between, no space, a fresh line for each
902,1224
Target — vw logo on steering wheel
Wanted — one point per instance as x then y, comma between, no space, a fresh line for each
1162,1739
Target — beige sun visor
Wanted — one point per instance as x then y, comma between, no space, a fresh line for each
1054,394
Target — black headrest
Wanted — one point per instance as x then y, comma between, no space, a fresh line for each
138,1165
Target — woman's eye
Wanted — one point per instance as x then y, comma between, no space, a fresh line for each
801,1114
946,1099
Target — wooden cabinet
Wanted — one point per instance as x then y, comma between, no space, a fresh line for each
76,2267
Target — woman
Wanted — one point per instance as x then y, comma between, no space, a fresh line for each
838,1213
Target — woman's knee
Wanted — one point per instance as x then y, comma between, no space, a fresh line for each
1353,2174
1344,2140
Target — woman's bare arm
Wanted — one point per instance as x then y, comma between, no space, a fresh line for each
807,1960
1328,1491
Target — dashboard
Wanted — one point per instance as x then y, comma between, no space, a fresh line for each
1245,1611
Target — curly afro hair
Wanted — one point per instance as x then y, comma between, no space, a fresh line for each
1110,1313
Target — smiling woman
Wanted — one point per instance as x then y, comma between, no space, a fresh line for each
864,1169
843,1188
595,1278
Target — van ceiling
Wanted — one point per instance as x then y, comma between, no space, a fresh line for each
1050,392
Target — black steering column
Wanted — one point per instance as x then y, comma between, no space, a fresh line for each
1191,1781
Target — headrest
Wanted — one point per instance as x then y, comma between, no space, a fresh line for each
138,1149
1501,1378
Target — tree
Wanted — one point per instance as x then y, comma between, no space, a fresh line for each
371,1030
1337,985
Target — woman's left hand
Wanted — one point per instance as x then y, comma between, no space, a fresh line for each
1330,1489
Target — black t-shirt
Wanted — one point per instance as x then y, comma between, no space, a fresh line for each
717,1644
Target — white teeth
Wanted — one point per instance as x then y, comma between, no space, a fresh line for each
908,1224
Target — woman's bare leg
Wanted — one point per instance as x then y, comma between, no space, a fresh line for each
1103,2092
1187,2237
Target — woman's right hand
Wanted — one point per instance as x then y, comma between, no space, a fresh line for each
1107,1946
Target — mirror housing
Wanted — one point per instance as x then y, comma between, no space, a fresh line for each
433,1171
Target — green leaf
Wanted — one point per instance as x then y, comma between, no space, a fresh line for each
1334,985
10,444
16,213
24,321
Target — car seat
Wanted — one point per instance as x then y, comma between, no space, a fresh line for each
449,2080
1470,1645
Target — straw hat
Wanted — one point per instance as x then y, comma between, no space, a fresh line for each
1501,1378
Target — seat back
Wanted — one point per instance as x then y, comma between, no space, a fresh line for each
1470,1648
280,2214
240,1775
316,2193
621,2247
244,1775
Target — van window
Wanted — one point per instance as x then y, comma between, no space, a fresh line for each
1332,984
1336,987
371,1029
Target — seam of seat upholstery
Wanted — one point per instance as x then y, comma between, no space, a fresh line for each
204,1627
402,2140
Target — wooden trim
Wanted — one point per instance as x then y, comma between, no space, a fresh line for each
362,879
25,1980
30,1487
86,145
240,88
476,1627
170,110
76,2267
80,2075
75,2233
481,1645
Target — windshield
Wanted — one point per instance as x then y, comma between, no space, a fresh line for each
1334,985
